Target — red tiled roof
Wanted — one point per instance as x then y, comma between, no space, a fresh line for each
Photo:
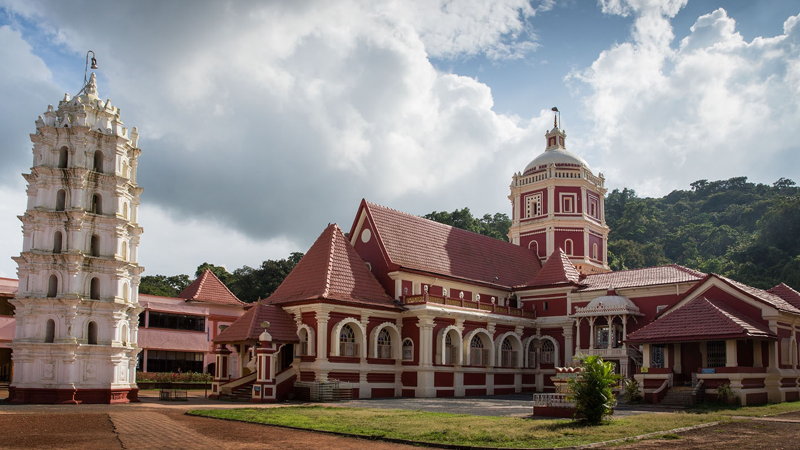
248,327
8,286
762,295
207,288
787,293
649,276
701,319
558,269
415,243
332,270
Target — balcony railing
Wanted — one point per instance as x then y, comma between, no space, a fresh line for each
470,304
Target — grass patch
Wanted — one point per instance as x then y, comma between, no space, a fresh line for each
459,429
749,411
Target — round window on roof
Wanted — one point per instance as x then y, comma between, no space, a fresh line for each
366,235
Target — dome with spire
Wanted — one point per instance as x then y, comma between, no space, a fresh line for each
555,153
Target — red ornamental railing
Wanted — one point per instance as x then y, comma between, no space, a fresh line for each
470,304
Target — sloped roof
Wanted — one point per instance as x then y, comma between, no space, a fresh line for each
207,288
557,270
248,327
762,295
701,319
8,286
332,270
787,293
415,243
649,276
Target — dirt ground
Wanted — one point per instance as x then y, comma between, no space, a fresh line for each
748,434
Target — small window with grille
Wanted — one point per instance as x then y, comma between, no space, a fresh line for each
715,354
408,350
657,356
547,353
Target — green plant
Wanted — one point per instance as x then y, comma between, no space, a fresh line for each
724,392
591,390
631,391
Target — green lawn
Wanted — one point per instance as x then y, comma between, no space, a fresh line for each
749,411
460,429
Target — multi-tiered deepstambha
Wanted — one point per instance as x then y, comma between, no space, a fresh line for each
558,202
77,306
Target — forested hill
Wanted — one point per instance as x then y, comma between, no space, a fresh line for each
746,231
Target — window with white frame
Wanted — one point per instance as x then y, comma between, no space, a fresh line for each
347,342
303,348
508,357
531,355
533,205
478,356
567,205
568,247
716,354
408,350
384,344
449,350
548,352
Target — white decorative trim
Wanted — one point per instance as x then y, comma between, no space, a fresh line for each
312,341
334,350
440,345
488,344
499,341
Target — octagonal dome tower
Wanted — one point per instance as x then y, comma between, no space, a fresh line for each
557,202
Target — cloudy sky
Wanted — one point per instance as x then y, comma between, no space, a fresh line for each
261,122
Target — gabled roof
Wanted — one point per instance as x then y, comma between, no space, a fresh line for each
248,327
8,286
787,293
332,270
207,288
418,244
649,276
761,295
701,319
557,270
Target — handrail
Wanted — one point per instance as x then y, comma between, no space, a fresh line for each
241,381
469,304
284,375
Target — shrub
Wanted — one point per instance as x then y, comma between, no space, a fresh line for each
173,377
631,391
591,391
724,392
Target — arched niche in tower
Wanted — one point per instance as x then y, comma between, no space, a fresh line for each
94,289
50,331
52,286
57,242
63,157
94,245
97,204
61,200
91,333
98,161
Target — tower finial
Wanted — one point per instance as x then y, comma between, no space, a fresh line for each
555,116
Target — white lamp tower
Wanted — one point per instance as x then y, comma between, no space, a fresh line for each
77,305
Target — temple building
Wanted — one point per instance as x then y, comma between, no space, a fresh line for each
404,306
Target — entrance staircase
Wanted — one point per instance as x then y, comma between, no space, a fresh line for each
239,389
677,396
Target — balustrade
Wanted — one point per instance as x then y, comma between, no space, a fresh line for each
470,304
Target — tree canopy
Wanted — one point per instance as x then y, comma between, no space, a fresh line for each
495,226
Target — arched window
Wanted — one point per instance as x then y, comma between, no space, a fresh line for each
97,204
94,245
384,344
449,355
531,354
534,245
347,342
124,334
125,211
408,350
98,161
94,289
57,244
303,349
568,247
125,251
548,352
125,292
478,356
50,331
594,251
61,200
508,357
91,333
52,286
63,158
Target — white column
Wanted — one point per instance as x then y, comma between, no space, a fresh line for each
568,345
591,333
646,356
578,335
731,359
757,358
322,335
